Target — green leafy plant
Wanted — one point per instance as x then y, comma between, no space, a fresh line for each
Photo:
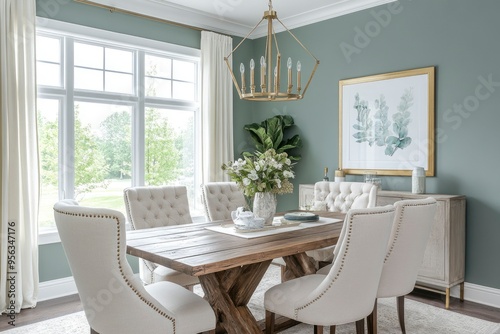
269,134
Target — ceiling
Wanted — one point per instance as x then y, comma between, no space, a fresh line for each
238,17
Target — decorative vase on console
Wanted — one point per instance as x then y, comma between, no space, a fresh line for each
264,206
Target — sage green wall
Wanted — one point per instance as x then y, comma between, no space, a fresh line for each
52,260
459,38
95,17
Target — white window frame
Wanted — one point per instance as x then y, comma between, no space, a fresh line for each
137,101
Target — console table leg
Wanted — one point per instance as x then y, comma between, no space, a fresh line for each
447,304
462,291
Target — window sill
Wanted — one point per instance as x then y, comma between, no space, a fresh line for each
51,236
48,237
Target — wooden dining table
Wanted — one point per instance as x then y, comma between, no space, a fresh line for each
230,267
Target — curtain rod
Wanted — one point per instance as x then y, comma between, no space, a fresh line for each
123,11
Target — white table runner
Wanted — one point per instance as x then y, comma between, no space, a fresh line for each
276,228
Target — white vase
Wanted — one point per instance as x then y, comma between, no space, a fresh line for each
264,206
418,180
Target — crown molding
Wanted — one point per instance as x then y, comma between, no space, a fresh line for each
190,17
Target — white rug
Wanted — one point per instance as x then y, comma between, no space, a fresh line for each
420,318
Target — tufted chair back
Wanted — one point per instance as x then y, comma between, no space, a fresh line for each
342,196
152,206
157,206
220,198
114,299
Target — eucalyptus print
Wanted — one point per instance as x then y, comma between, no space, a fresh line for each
365,123
400,126
375,129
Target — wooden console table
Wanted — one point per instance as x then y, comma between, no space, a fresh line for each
444,260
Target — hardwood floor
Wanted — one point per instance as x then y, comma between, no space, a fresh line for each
466,307
70,304
44,310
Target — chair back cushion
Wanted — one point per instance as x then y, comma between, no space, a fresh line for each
113,298
342,196
348,291
157,206
220,198
410,233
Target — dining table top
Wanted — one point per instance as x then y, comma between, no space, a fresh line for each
196,250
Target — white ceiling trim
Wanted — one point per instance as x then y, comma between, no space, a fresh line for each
165,10
329,12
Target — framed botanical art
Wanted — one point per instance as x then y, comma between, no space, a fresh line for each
386,123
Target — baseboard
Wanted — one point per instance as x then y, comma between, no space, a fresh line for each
478,294
472,292
56,288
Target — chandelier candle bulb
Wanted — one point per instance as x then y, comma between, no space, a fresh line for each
278,72
242,71
289,66
299,67
262,74
276,78
252,75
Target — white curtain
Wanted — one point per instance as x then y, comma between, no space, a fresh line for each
19,180
217,106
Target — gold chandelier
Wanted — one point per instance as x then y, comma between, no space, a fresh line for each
270,75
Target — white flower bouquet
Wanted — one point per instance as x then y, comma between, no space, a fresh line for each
264,172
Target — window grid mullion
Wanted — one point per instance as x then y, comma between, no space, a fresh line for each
138,127
67,159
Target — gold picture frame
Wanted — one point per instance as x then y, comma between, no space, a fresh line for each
386,123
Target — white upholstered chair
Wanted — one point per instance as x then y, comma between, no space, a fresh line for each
341,197
347,293
410,234
113,298
155,206
220,199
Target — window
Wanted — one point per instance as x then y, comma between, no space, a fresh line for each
114,111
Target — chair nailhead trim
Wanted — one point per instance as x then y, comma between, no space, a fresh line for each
348,239
129,284
400,221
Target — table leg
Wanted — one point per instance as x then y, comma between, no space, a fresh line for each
462,291
229,292
298,265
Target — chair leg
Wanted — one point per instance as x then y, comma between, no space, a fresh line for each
270,318
332,329
371,320
318,329
360,326
401,313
